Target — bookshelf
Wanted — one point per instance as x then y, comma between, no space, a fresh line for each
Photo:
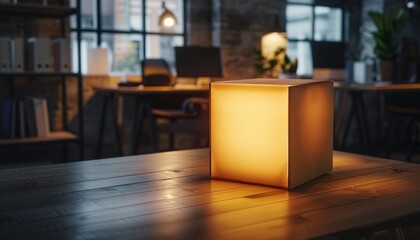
25,11
36,10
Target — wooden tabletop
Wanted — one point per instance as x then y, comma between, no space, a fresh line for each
378,87
141,90
169,195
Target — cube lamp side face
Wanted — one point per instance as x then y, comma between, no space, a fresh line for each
310,131
249,133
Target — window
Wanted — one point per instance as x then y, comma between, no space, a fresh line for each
328,24
308,21
130,31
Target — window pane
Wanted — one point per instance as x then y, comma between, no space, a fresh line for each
328,24
125,51
154,10
88,14
121,15
299,22
88,41
162,46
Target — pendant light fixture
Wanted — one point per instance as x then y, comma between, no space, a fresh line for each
167,19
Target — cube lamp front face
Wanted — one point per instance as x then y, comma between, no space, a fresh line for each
251,126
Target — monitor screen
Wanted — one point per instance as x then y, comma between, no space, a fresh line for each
198,62
328,55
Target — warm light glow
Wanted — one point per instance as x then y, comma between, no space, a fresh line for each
271,131
271,42
168,22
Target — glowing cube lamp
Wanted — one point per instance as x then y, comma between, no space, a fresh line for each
271,131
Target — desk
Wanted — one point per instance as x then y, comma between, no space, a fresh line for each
170,195
145,99
358,110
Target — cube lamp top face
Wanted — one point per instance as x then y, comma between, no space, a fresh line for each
251,126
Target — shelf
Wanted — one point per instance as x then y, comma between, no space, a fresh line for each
34,10
35,74
56,136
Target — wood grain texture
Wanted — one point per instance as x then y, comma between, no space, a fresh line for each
379,87
170,195
55,136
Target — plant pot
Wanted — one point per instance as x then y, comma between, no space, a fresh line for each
362,72
387,70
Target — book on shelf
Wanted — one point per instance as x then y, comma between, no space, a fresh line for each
24,118
20,119
8,118
30,118
41,117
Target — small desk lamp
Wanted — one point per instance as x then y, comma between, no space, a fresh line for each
271,42
271,131
273,39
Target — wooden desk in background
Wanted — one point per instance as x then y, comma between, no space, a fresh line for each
145,98
170,195
358,108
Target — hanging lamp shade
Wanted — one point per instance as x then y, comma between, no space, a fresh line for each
167,19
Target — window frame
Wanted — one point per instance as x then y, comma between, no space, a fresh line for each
313,5
98,30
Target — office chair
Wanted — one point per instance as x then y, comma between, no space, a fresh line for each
156,72
192,119
405,105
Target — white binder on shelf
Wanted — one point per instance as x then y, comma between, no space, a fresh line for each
40,54
62,55
5,56
17,49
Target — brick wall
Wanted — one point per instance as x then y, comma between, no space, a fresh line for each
199,17
238,28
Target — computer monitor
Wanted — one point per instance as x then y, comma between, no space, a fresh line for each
194,61
328,60
328,55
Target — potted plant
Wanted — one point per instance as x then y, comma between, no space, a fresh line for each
275,65
386,38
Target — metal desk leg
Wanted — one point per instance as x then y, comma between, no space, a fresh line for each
137,126
361,120
101,127
357,109
340,118
347,124
115,123
152,125
108,102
